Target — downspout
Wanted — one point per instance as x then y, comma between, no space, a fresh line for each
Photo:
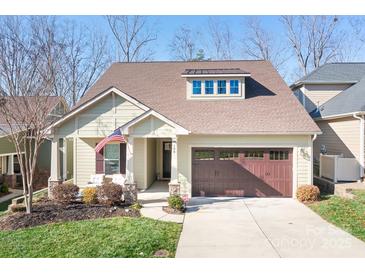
362,142
312,159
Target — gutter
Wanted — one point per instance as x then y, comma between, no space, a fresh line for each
360,116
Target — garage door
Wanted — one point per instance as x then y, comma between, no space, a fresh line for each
242,172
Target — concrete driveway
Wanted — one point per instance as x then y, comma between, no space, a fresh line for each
265,227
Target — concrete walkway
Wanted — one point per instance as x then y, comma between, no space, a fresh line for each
14,193
266,227
153,199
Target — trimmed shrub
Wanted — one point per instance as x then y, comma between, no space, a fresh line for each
308,193
89,195
109,194
176,202
4,189
136,206
65,193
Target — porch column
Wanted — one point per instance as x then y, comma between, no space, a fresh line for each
55,160
129,165
11,164
64,171
173,161
174,186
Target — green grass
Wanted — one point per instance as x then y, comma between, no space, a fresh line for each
114,237
348,214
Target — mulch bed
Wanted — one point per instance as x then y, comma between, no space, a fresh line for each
170,210
46,212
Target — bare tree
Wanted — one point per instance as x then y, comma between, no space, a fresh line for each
184,45
260,44
133,35
85,58
29,64
315,40
222,39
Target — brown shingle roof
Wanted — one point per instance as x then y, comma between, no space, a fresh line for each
269,107
213,71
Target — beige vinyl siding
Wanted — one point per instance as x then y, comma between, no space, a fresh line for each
101,118
340,136
139,162
6,146
151,161
311,95
85,158
301,144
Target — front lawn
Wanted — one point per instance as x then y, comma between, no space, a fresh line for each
113,237
348,214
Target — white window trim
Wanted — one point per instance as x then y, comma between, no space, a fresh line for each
216,95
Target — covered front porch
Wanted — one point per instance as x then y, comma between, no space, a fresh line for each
148,154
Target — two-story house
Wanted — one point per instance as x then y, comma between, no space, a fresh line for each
334,96
213,128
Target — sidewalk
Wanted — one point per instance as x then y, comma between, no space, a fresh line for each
153,199
14,193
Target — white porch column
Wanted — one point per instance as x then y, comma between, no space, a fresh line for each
55,160
129,165
11,164
174,161
64,172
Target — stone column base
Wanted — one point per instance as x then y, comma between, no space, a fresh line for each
51,185
130,193
174,189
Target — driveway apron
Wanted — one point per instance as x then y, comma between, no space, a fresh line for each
261,227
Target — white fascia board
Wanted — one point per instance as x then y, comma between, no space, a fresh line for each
330,117
179,129
97,98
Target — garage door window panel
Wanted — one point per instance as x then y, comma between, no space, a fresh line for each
254,155
279,155
228,155
204,155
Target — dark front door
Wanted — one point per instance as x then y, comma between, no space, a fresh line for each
261,172
166,162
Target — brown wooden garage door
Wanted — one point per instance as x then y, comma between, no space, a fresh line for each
242,172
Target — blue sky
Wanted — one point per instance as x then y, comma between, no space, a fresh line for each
167,25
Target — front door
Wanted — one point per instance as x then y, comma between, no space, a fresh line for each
166,162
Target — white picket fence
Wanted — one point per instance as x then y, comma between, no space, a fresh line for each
337,168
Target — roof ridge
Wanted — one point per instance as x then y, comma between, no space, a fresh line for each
179,61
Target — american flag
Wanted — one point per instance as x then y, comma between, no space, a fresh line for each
115,136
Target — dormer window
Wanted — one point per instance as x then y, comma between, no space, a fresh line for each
197,87
214,83
222,86
233,85
209,87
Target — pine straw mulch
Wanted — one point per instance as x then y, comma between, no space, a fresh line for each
47,212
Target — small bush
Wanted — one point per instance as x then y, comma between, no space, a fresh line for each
4,189
308,193
109,194
136,206
65,193
176,202
89,195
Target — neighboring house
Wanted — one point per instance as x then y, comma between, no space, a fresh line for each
334,95
229,128
9,164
